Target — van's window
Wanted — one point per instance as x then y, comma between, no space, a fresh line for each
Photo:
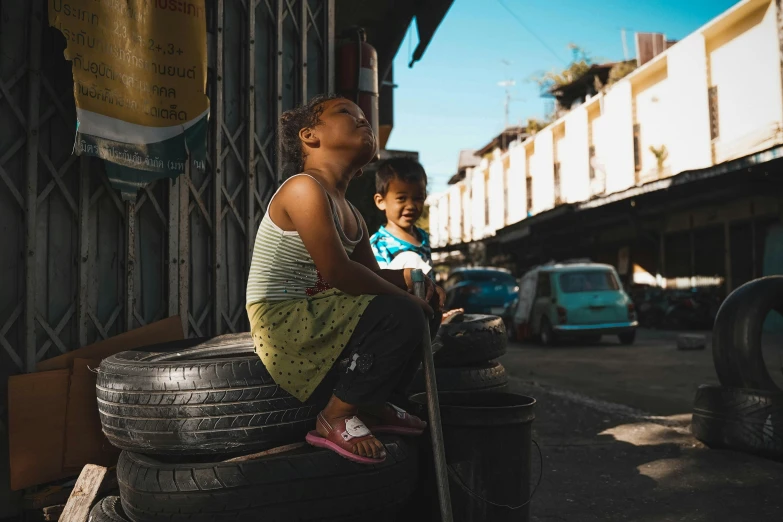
588,281
499,278
544,286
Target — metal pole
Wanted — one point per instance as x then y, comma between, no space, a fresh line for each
250,186
433,408
184,247
173,250
130,260
217,186
84,247
303,48
31,202
279,85
330,58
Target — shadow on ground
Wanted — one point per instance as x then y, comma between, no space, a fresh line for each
606,462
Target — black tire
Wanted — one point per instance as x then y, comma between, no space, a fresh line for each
627,338
471,339
547,335
108,510
490,376
199,397
736,339
739,419
306,484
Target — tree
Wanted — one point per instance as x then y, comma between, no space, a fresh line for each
579,66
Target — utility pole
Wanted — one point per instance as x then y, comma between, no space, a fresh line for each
625,44
507,84
507,102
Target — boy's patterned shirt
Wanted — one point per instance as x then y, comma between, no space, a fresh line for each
385,246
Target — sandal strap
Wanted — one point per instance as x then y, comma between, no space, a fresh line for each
347,430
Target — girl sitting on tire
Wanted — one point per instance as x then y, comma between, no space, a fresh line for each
316,295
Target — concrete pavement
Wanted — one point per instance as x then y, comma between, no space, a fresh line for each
613,425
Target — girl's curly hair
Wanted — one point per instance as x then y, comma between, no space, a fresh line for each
305,116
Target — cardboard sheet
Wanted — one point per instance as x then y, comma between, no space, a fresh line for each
160,332
36,417
54,428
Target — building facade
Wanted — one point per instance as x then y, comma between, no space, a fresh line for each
645,168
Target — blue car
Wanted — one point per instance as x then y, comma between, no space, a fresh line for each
480,290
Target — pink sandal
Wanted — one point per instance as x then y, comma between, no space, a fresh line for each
394,420
343,437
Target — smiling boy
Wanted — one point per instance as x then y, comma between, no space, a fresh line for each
401,188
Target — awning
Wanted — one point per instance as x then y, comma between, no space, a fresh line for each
429,15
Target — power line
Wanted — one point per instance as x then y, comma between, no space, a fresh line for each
540,40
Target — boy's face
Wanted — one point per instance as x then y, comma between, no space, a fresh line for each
403,203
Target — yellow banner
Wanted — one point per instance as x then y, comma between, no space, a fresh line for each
143,62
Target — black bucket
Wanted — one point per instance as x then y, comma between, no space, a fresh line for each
487,438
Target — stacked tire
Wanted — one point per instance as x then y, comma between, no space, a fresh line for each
188,414
745,413
466,358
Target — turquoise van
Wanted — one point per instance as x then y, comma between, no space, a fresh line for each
583,300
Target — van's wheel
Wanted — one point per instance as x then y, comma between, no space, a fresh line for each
627,338
548,336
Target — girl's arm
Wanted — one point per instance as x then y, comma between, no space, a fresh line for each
398,277
363,254
306,205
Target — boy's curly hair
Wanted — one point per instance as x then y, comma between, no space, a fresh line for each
305,116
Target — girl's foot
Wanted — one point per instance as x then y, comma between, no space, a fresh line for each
348,437
391,419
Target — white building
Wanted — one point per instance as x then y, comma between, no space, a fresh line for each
712,97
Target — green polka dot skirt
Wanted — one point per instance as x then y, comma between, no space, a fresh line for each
299,340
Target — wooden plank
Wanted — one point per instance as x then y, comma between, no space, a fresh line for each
84,493
273,451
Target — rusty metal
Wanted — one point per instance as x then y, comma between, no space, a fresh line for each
88,265
31,206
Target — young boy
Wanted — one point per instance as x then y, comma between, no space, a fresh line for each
400,190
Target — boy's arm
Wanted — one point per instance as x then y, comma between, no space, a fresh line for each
363,253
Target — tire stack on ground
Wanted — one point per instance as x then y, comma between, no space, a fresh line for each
189,415
466,361
746,412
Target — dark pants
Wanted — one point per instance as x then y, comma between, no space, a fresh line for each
384,352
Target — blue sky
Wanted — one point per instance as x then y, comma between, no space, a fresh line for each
451,100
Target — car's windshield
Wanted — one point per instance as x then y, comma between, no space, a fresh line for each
498,278
588,281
